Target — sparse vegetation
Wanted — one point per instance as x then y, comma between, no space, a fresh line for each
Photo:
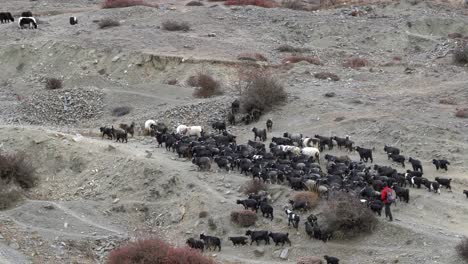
252,57
462,113
460,54
172,82
262,91
327,76
155,251
53,84
194,3
289,48
454,35
9,196
108,23
244,218
121,111
347,217
212,224
293,4
16,169
311,198
299,58
259,3
253,186
356,63
462,249
206,86
447,101
125,3
203,214
172,25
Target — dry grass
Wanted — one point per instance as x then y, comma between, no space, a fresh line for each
194,3
125,3
462,113
311,198
121,110
356,63
253,186
289,48
259,3
262,91
460,54
447,101
244,218
53,84
155,251
299,58
206,86
347,217
16,169
171,25
108,23
293,4
252,57
327,76
462,249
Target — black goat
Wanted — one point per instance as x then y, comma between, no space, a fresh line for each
432,186
299,205
249,203
397,158
240,240
365,154
441,164
196,244
203,163
260,133
29,22
417,166
444,182
280,238
269,125
292,218
119,135
267,210
73,20
235,106
26,14
402,193
331,260
309,228
465,192
106,131
211,241
220,126
6,17
130,129
391,150
257,236
376,206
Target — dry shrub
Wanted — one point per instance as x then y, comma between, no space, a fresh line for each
171,25
155,251
462,249
262,91
293,4
460,54
212,224
244,218
16,169
253,186
299,58
9,196
396,58
205,85
252,57
311,198
53,84
309,260
355,63
172,82
462,113
194,3
454,35
326,76
447,101
347,217
259,3
108,23
289,48
125,3
121,111
203,214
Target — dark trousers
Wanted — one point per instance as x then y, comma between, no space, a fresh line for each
388,213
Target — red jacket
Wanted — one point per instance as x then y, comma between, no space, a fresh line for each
384,194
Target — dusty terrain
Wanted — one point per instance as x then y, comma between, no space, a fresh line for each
94,194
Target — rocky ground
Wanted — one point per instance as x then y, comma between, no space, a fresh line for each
94,194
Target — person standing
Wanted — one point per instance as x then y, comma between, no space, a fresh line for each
388,197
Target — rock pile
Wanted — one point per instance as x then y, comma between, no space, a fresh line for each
62,107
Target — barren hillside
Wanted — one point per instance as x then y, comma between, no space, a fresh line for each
94,194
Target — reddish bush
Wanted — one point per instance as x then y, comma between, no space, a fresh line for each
327,75
205,85
462,113
253,186
289,48
125,3
298,58
155,251
310,198
16,169
260,3
244,218
397,58
356,63
261,91
252,57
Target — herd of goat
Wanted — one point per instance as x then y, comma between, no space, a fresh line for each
293,159
27,20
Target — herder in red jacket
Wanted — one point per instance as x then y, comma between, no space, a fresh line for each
386,190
